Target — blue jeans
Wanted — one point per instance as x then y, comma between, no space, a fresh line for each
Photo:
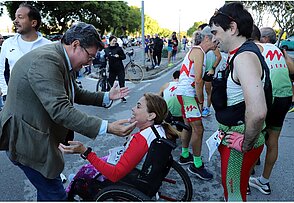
47,189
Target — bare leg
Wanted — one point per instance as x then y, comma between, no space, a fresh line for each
208,92
185,136
196,137
271,152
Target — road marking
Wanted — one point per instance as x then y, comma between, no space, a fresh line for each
141,88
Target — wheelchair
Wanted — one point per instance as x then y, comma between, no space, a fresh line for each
159,179
175,186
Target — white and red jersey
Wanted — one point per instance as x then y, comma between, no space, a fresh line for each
133,156
186,85
169,92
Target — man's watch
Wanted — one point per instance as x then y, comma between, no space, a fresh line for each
86,153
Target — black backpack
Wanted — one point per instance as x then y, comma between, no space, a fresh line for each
235,115
156,166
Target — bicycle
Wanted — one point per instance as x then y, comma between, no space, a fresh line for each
133,71
102,83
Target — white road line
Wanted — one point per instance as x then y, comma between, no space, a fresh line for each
143,87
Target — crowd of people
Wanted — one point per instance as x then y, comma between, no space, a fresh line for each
245,76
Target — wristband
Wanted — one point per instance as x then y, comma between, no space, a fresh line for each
86,153
213,67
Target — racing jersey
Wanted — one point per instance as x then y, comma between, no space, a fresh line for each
133,155
279,73
186,84
170,98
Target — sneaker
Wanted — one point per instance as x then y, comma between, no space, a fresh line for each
263,188
201,172
124,100
248,191
206,112
170,64
291,109
184,161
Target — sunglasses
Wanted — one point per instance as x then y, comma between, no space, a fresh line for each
218,12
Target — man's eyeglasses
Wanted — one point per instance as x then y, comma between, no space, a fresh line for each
91,58
217,12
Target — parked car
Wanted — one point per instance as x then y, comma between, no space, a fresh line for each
288,43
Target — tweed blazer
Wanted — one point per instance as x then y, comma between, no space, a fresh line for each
39,111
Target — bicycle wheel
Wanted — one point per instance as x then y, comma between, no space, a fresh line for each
177,185
134,73
103,85
123,193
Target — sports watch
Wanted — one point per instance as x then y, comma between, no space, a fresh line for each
86,153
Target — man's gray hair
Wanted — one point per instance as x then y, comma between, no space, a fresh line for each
198,36
85,33
270,33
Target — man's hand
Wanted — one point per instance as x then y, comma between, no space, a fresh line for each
119,128
235,140
75,147
118,93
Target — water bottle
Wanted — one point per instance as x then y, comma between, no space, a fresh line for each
219,75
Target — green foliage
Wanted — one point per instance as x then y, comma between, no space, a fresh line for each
192,29
107,16
283,12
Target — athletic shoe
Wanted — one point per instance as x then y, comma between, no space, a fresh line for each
184,161
206,112
291,109
263,188
200,172
248,192
170,64
124,100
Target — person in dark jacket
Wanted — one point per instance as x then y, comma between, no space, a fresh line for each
157,49
115,54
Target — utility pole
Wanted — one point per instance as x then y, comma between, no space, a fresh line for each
143,33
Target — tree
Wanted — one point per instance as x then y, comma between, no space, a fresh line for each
283,12
194,27
57,16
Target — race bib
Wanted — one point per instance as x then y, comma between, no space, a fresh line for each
214,141
115,154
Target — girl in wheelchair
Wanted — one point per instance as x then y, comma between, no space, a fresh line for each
150,110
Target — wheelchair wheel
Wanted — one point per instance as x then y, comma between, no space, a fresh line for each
177,185
103,85
123,193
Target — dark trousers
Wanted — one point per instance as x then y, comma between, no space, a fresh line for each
120,75
157,57
47,189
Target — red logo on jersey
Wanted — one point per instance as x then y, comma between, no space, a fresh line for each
184,69
271,55
190,108
173,88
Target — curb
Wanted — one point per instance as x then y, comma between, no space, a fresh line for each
164,70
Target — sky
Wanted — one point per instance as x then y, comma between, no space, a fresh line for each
178,15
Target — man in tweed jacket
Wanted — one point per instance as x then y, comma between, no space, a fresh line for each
39,110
